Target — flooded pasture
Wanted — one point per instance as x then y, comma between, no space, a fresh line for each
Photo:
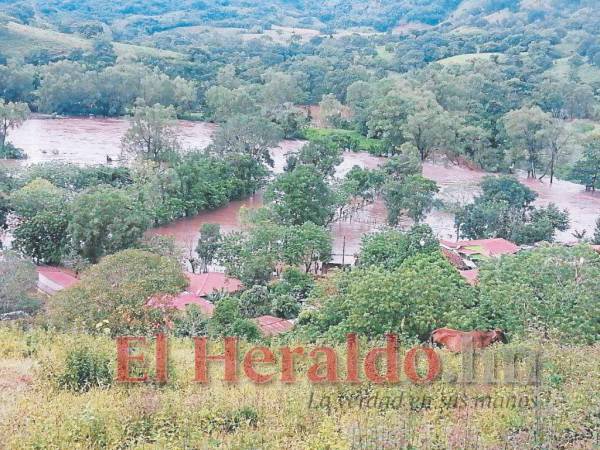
90,141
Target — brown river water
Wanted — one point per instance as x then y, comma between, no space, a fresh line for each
89,141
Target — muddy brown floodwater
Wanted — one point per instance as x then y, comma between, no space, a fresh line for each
89,141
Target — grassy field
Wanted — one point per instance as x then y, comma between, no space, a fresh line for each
39,412
18,40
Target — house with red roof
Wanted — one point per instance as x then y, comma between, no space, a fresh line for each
464,254
203,284
272,326
484,247
54,279
181,301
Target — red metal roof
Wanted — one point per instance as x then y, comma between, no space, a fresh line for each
270,326
454,258
180,301
54,279
203,284
486,247
470,276
596,247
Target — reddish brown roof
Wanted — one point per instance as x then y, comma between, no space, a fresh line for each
486,247
54,279
470,276
596,247
203,284
454,258
180,301
270,326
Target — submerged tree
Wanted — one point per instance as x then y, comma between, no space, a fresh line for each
208,244
12,115
152,134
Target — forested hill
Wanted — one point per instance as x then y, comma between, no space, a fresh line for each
128,19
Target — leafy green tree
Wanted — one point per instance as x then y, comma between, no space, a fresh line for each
504,209
151,134
306,245
300,196
526,132
249,136
424,293
331,110
227,321
587,170
43,237
119,288
208,244
413,196
12,115
285,306
255,302
596,238
428,129
560,300
18,278
323,157
191,323
36,197
105,220
224,103
390,248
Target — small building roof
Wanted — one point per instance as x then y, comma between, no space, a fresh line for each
485,247
454,258
53,279
471,276
181,301
203,284
596,247
271,326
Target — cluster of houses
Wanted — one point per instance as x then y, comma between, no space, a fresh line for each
200,287
465,256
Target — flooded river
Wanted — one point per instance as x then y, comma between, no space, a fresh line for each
89,141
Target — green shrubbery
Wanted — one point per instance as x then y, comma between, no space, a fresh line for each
344,140
86,368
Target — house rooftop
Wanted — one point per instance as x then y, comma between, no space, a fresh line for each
486,247
54,279
181,301
471,276
203,284
271,326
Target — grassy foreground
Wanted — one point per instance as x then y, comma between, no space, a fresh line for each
38,410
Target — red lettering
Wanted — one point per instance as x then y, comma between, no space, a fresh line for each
433,365
352,358
287,363
330,366
390,351
229,357
161,358
249,360
123,359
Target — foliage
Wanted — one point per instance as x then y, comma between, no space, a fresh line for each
413,196
504,209
300,196
105,220
192,322
390,248
12,115
423,293
255,302
307,245
86,368
227,321
119,287
38,196
558,301
317,154
151,134
18,278
343,140
208,244
587,170
43,237
596,238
